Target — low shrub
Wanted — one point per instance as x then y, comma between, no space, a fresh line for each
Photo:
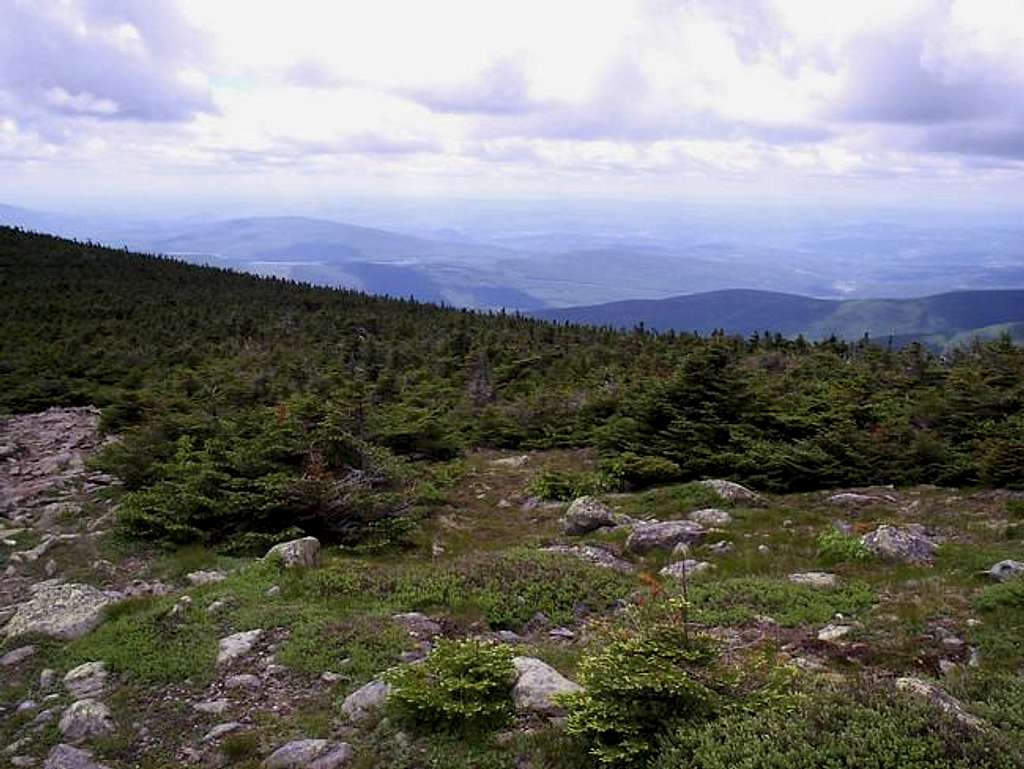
734,601
1009,594
836,547
629,471
462,685
564,486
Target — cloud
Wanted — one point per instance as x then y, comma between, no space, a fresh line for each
101,60
501,89
312,73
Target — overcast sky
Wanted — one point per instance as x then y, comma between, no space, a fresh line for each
122,103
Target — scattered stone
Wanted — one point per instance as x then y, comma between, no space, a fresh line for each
852,498
51,568
587,514
680,551
234,646
273,591
220,730
23,761
87,681
721,548
814,578
561,634
764,549
366,700
336,757
67,757
664,536
218,605
47,678
688,568
418,625
330,678
436,549
929,692
304,553
907,544
17,656
947,667
212,707
1005,570
85,718
60,610
519,461
832,633
735,493
297,754
536,684
26,705
711,517
207,577
243,681
595,555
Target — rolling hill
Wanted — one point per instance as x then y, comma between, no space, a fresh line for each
936,320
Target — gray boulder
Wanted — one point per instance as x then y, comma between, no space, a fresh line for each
210,577
536,685
297,754
587,514
664,536
1005,570
711,516
85,718
893,543
735,493
304,553
687,568
814,578
929,692
66,757
86,681
17,656
60,610
595,555
366,700
236,645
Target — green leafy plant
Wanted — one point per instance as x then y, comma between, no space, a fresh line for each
630,471
462,685
837,547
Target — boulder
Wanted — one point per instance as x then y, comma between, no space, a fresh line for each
418,625
85,718
234,646
60,610
366,700
710,517
17,656
595,555
929,692
86,681
211,707
735,493
536,685
850,498
814,578
334,758
518,461
664,536
721,548
220,730
303,553
296,754
587,514
67,757
243,681
198,578
893,543
833,632
687,568
1005,570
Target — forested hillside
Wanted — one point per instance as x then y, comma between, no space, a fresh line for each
249,407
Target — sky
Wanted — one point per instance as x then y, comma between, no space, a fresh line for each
172,102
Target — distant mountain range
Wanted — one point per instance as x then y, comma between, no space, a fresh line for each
937,320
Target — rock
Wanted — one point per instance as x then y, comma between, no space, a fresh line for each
587,514
62,611
595,555
561,634
297,754
273,591
680,552
209,577
366,700
929,692
218,605
664,536
831,633
536,684
26,705
50,568
735,493
220,730
711,517
87,681
234,646
764,550
17,656
519,461
687,568
67,757
22,761
212,707
418,625
243,681
720,548
907,544
334,758
304,553
814,578
47,678
852,498
85,718
1005,570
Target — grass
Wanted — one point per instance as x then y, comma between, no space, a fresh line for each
669,502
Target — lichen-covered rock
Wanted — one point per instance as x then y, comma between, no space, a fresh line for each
735,493
366,700
814,578
86,681
536,685
296,754
687,568
60,610
236,645
595,555
85,718
711,516
664,536
66,757
1005,570
587,514
907,544
304,553
929,692
205,577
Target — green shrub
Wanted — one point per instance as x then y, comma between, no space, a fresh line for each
462,685
1015,508
630,471
564,486
636,688
836,547
734,601
1009,594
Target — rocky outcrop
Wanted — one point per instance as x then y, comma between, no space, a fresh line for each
907,544
595,555
302,553
85,718
536,686
664,536
366,700
734,493
59,610
711,517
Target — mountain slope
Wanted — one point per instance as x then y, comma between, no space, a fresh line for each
939,318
